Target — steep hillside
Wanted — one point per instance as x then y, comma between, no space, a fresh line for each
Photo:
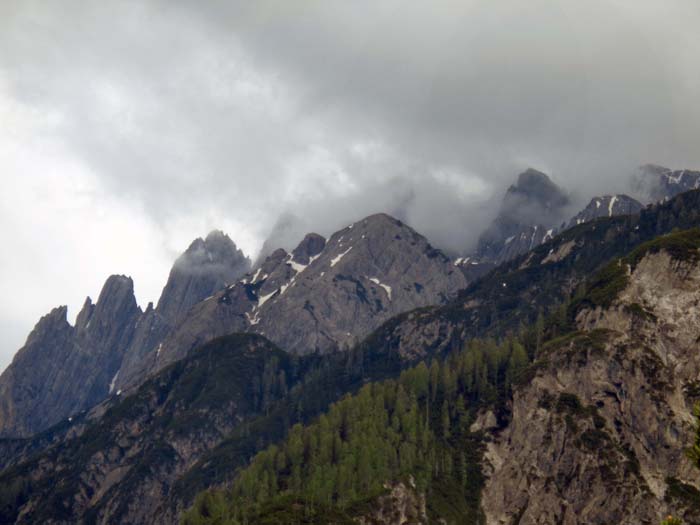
593,432
598,434
531,287
321,297
397,448
515,293
119,465
63,369
187,428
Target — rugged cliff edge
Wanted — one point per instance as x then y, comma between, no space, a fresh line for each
598,434
324,296
63,369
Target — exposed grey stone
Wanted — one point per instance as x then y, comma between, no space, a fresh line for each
607,206
61,369
206,267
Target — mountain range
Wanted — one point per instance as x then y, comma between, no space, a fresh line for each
547,377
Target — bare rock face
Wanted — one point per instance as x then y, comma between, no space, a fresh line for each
530,212
207,266
367,273
656,183
325,295
607,206
598,435
401,505
63,369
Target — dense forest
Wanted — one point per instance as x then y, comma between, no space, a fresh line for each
414,429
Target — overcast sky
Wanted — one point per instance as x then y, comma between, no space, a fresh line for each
129,128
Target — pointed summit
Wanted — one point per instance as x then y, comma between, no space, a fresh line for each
115,312
529,212
206,267
83,320
61,369
533,199
654,183
56,320
310,247
606,206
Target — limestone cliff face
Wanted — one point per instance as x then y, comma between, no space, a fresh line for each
206,267
324,295
606,206
598,434
62,369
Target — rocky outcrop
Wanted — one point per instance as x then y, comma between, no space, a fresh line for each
606,206
121,467
530,211
598,434
206,267
323,295
655,183
62,369
401,505
368,272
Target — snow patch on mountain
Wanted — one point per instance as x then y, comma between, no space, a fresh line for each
114,382
386,288
337,258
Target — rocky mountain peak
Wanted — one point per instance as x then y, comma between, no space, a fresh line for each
116,300
606,206
85,314
217,236
111,320
530,210
206,267
309,247
216,248
533,199
116,288
656,183
364,273
325,294
55,320
60,369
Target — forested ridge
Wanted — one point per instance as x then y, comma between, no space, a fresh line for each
414,429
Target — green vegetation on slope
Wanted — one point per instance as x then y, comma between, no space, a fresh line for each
606,285
516,291
413,429
232,377
693,452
